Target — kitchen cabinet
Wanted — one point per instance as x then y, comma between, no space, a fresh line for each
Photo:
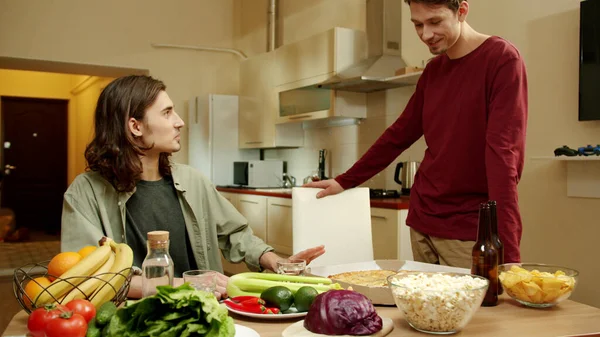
391,236
319,56
310,103
270,219
254,209
258,108
232,198
279,224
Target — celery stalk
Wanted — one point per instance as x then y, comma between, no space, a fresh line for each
253,284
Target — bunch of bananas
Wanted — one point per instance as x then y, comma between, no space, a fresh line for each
97,277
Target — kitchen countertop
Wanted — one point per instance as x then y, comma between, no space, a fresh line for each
508,318
389,203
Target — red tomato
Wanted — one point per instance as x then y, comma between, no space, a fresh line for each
39,318
67,325
82,307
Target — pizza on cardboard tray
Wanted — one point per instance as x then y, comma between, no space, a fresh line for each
367,278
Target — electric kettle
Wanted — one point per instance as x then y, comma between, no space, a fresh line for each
405,174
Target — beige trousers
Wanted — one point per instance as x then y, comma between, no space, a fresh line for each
429,249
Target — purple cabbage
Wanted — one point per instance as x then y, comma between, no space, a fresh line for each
342,312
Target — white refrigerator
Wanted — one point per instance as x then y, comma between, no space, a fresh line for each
213,137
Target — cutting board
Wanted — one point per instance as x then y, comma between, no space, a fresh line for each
341,222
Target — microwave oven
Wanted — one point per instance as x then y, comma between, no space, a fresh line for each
258,173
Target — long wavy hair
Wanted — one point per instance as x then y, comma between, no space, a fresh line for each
452,4
114,152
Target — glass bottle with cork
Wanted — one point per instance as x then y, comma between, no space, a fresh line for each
485,256
496,237
157,268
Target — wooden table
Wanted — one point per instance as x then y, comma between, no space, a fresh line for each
509,318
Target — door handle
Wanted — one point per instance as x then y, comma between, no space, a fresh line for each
8,168
299,117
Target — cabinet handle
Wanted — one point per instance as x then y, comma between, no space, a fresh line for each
281,205
253,143
300,117
249,201
378,217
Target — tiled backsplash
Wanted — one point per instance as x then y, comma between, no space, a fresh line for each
346,144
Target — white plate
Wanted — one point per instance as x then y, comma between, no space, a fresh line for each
244,331
298,330
268,316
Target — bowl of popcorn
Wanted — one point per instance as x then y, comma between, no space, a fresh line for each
437,302
537,285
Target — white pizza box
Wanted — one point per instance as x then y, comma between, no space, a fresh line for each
380,295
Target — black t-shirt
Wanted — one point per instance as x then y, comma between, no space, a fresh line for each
155,206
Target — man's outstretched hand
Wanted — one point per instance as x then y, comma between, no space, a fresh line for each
329,186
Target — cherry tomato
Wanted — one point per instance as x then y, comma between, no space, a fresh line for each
67,324
39,318
82,307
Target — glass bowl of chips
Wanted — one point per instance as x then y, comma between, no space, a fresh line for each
537,285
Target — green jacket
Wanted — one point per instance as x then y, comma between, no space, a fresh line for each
92,208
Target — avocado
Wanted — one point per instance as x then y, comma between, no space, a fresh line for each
278,296
304,297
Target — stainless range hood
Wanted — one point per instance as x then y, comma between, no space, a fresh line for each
377,71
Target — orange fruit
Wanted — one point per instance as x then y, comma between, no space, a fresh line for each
34,288
62,262
85,251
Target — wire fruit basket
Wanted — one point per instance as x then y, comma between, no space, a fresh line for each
29,272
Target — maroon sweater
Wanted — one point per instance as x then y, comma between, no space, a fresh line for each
473,114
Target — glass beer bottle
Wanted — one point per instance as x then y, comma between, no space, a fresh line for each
496,237
485,256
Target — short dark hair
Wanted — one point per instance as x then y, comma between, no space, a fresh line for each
114,152
452,4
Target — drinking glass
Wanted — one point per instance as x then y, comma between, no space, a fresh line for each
291,266
205,280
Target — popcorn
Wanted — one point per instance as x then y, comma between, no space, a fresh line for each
438,302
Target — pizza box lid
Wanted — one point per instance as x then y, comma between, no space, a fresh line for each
380,295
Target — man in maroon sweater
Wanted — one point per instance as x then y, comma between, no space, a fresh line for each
470,104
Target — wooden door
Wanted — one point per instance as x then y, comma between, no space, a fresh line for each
34,153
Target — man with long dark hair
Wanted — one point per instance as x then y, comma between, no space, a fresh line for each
470,104
131,188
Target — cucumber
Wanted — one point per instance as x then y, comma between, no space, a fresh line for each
105,312
93,329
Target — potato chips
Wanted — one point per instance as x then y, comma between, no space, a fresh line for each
535,286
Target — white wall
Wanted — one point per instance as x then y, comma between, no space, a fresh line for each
118,33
